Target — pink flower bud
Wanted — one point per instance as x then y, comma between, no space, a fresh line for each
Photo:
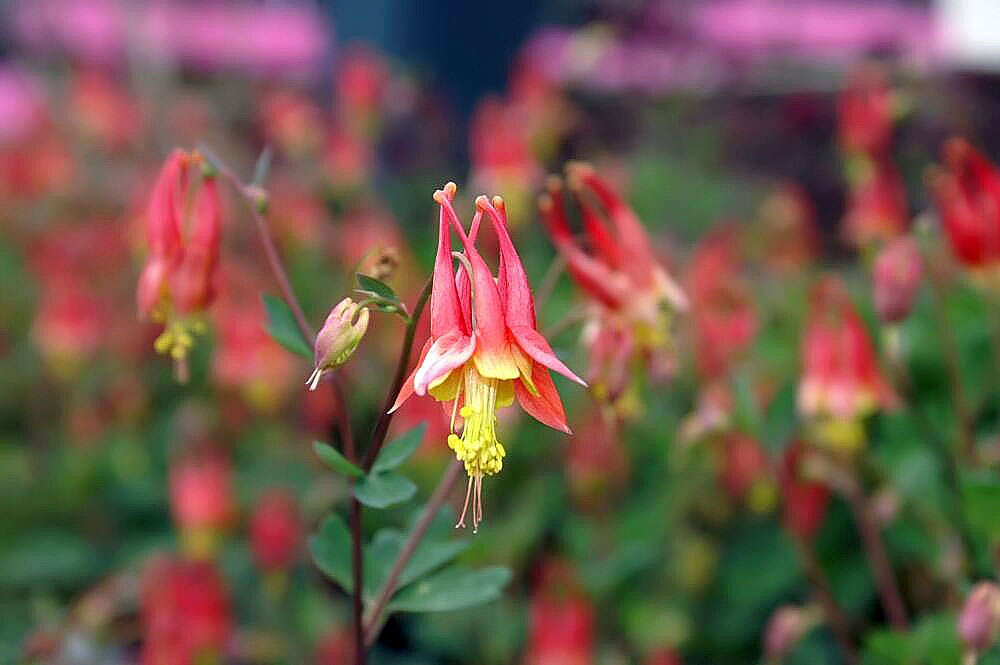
339,337
192,281
979,619
897,274
275,530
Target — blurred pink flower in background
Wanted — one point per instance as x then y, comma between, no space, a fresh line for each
275,530
261,38
562,628
22,103
201,492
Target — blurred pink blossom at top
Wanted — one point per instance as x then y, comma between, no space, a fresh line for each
209,35
22,103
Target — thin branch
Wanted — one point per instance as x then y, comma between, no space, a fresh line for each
385,418
257,198
571,318
373,619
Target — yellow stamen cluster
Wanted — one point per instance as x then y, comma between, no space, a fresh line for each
478,447
178,334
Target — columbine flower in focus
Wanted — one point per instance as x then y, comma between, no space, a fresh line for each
484,348
841,382
632,298
967,195
201,501
183,226
338,338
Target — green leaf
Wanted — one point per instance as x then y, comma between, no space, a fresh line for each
452,589
333,459
331,550
281,326
376,287
395,453
384,489
429,556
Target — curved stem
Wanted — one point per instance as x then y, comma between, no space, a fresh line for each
835,615
373,618
384,418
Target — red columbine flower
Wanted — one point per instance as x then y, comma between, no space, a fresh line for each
186,613
805,500
632,296
275,530
178,282
865,111
876,207
841,381
201,501
484,347
724,318
562,619
967,194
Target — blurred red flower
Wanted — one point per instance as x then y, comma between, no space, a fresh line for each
275,530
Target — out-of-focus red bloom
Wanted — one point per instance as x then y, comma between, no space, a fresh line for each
336,648
805,500
201,500
596,462
360,82
865,111
104,112
501,152
979,620
178,281
746,472
275,530
725,321
347,159
896,278
246,357
484,348
876,207
784,238
291,121
562,625
967,194
185,613
633,298
70,326
841,378
662,657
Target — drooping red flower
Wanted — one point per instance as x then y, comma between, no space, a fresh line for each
562,622
967,195
896,278
201,499
805,500
484,348
725,321
178,282
186,613
744,464
840,378
275,530
632,297
876,207
865,111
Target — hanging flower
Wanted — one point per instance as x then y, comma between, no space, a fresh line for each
484,348
183,226
632,299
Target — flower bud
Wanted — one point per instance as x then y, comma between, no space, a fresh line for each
979,619
340,336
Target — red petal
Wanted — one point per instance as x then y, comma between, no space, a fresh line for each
536,346
519,305
446,313
545,407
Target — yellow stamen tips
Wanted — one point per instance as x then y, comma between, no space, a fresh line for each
478,447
